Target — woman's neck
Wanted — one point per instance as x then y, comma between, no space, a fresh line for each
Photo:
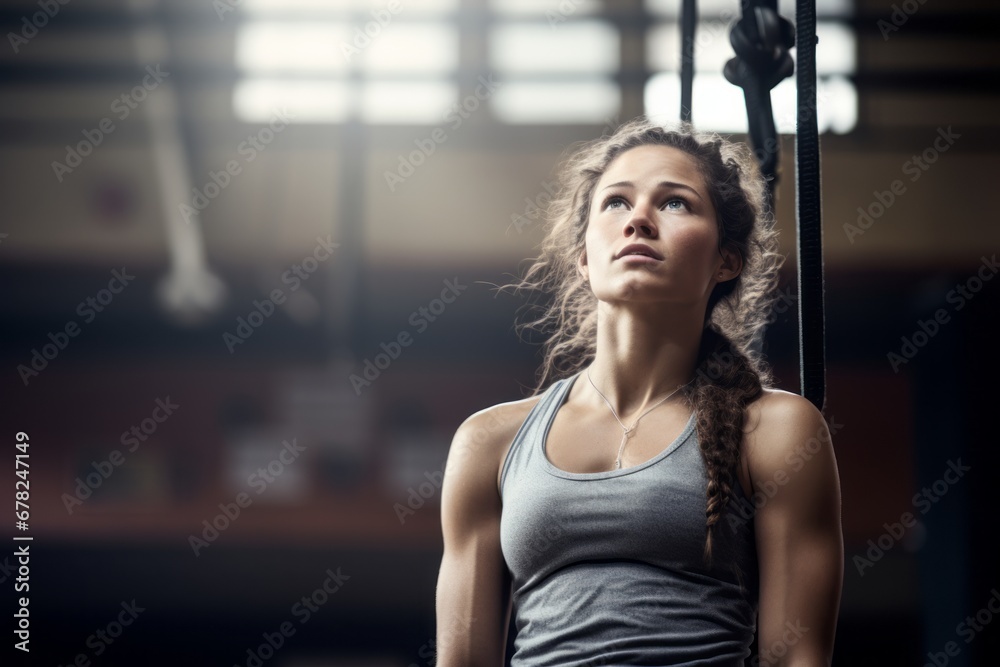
642,358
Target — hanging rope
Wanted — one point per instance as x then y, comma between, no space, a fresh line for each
808,219
689,16
761,40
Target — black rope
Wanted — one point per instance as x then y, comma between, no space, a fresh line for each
761,40
809,223
689,16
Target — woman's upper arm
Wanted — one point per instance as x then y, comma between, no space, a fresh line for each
798,533
472,603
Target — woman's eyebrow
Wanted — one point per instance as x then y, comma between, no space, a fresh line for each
670,184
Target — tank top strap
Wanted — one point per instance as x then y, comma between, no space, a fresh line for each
522,451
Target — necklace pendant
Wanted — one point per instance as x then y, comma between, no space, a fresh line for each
618,464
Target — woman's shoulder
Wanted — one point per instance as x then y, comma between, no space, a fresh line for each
794,469
781,425
493,424
773,401
483,439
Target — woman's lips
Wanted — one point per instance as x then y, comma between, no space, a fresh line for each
639,259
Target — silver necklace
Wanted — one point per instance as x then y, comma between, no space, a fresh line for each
627,430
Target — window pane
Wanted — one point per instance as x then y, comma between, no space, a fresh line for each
836,50
407,102
289,46
256,100
555,10
342,7
412,47
716,104
318,6
562,102
711,46
578,46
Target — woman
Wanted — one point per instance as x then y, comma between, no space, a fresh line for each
661,501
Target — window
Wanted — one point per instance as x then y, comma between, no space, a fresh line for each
547,76
558,61
328,61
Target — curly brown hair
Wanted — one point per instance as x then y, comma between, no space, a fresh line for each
730,372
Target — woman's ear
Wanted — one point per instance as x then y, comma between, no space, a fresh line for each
732,263
581,265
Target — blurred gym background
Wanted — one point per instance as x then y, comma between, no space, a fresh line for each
249,250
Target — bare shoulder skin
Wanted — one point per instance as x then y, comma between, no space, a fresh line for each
473,588
800,547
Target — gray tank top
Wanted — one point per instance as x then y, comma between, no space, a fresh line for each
607,566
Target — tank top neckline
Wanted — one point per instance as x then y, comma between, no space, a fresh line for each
560,398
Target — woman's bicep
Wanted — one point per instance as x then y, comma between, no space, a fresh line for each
799,538
472,599
472,607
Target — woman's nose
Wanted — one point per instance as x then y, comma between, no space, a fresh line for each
642,221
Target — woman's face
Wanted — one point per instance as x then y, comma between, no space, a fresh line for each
654,196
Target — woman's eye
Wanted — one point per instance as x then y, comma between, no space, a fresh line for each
610,203
611,200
